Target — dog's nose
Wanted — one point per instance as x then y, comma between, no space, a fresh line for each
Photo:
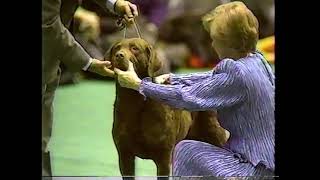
119,55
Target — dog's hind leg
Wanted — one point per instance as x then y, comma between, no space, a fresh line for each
163,163
206,128
127,165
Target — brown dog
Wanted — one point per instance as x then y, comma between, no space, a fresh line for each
146,128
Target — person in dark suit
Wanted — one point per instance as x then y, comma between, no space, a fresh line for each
58,45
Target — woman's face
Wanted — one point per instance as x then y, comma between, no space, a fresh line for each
217,47
225,52
217,44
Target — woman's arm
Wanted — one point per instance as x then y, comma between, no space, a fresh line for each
189,78
219,91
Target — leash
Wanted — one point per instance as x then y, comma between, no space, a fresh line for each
121,23
123,26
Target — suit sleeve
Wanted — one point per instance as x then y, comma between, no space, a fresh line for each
107,4
58,40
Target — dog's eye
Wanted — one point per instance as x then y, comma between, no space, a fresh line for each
134,49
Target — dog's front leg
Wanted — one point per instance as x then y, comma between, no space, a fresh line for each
163,163
127,165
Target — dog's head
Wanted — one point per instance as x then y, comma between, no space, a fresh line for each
140,53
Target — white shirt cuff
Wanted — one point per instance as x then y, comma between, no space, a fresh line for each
111,4
85,68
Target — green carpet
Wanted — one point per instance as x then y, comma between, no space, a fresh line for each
82,143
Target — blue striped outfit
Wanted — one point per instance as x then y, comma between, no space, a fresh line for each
242,92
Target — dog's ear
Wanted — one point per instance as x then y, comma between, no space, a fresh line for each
107,54
155,63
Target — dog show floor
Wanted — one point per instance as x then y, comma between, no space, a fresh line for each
82,143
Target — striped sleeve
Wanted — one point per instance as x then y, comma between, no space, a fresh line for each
189,78
220,91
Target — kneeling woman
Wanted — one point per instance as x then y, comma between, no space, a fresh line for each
240,88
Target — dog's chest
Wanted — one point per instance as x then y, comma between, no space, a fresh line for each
146,125
146,122
146,118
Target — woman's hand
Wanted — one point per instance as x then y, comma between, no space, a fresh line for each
128,79
162,79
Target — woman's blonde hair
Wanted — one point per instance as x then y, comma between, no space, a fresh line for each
233,25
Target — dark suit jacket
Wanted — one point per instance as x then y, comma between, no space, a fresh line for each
58,45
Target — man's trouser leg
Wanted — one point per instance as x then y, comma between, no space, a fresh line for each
48,92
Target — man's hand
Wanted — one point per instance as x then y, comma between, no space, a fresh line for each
162,79
128,79
127,9
101,67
